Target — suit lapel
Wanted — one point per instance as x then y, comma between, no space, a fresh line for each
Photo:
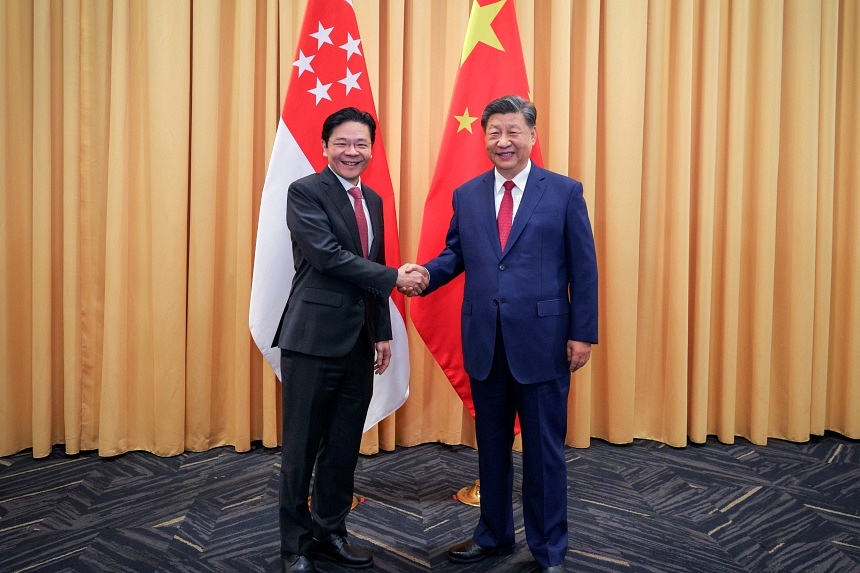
487,210
341,200
531,197
374,206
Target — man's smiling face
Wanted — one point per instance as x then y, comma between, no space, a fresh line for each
348,150
509,141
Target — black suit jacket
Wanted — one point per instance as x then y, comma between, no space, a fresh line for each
335,289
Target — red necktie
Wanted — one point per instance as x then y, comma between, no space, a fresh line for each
506,214
360,218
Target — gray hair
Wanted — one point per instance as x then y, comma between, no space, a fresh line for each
510,104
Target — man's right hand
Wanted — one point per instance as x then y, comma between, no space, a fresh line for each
412,279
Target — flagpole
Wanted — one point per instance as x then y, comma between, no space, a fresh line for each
355,501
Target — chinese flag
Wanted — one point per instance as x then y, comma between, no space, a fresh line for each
328,74
491,66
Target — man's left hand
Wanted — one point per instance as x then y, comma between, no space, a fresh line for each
383,357
578,354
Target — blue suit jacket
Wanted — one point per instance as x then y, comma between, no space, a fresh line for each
543,287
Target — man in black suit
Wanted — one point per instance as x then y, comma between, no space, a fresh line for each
334,334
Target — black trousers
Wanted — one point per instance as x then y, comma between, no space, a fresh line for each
325,402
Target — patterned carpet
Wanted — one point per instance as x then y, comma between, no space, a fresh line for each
711,508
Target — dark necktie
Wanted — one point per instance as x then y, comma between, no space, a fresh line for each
506,214
360,218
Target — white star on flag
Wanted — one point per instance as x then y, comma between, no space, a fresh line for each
320,91
351,46
296,153
350,81
304,63
322,35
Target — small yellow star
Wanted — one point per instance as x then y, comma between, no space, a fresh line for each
466,121
480,28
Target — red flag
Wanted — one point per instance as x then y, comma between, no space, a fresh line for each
329,73
491,66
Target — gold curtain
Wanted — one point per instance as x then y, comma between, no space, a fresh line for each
717,142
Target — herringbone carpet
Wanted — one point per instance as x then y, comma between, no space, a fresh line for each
711,508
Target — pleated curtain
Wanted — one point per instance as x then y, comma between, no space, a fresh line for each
717,142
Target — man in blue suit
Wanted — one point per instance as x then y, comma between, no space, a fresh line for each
522,236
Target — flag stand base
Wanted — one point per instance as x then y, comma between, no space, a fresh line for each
353,506
471,494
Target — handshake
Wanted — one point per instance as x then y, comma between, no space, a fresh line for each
412,279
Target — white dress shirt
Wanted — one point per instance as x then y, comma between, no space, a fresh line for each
517,192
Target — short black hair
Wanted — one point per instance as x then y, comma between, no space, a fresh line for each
510,104
345,115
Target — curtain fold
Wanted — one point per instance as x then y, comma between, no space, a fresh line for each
843,388
716,142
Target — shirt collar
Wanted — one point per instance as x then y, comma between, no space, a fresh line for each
519,179
346,184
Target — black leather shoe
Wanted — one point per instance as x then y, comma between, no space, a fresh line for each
553,569
336,548
292,563
470,552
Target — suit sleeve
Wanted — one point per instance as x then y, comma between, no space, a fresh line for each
382,312
582,269
449,263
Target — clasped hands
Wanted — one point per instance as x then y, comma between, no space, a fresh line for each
412,279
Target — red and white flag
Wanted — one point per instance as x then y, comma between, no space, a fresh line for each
329,73
491,66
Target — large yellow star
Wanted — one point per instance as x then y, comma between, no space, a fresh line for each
480,28
466,121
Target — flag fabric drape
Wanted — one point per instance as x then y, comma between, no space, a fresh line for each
329,73
491,66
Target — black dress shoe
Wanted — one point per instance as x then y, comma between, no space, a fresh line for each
292,563
470,552
336,548
553,569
